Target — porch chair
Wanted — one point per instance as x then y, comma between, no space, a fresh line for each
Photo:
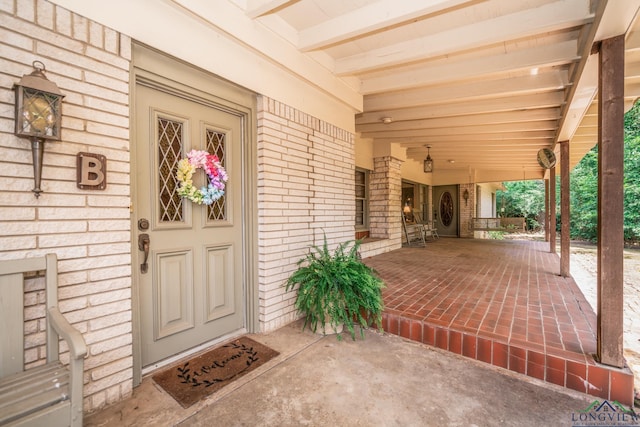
430,229
50,394
413,230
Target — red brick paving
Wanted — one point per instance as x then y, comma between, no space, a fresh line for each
500,302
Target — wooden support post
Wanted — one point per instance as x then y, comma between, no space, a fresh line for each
610,201
546,210
552,210
565,210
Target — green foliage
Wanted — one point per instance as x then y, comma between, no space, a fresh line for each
632,174
584,186
632,188
337,288
522,199
584,198
632,123
526,198
497,235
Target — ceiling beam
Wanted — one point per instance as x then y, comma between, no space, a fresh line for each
262,42
505,136
612,18
523,116
633,41
449,70
491,175
526,23
368,19
632,90
632,69
450,150
498,158
548,125
541,100
543,82
257,8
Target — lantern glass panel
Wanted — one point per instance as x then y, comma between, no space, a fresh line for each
39,114
428,165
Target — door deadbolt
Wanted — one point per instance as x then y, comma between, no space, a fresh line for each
143,224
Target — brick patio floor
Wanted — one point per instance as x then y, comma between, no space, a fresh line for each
500,302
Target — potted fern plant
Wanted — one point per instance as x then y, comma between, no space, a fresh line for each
336,289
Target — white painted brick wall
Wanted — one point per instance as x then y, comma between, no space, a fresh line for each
305,188
88,230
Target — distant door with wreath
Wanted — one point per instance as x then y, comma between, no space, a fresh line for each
445,210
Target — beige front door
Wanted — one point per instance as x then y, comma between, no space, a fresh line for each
191,289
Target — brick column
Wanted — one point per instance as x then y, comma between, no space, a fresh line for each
385,191
467,209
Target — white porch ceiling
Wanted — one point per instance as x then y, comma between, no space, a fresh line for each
486,83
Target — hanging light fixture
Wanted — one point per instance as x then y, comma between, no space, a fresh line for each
428,162
38,114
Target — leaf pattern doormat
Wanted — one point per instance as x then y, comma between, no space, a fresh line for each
188,382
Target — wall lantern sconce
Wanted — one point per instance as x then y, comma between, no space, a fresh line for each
465,196
38,115
428,162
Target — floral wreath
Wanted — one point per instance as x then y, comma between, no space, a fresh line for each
216,175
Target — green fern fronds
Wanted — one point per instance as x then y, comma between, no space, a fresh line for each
337,288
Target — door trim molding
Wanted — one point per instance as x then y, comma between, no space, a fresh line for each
157,70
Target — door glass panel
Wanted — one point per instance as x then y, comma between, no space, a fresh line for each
446,209
217,211
170,141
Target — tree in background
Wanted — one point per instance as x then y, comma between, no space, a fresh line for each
522,199
526,198
584,186
584,198
632,174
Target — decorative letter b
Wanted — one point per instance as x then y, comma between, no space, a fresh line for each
91,171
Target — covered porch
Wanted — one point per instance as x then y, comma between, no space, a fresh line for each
499,302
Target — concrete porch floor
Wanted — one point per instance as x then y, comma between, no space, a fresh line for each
476,333
383,380
502,303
